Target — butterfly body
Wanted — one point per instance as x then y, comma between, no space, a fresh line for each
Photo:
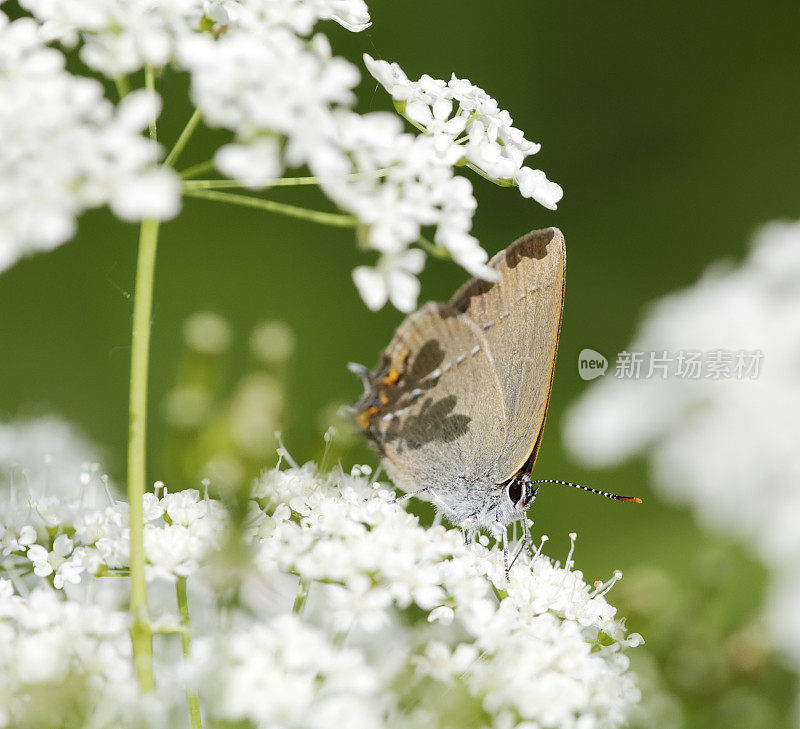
457,404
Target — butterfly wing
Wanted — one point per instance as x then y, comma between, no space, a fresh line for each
459,399
434,407
519,318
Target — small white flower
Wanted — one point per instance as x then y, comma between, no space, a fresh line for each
534,183
440,662
13,541
40,558
437,121
152,507
393,279
392,78
45,562
466,251
350,14
171,552
255,164
441,614
184,507
153,194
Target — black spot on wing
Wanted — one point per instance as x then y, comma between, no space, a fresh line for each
429,357
530,246
435,422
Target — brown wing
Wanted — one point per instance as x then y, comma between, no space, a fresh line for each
434,408
519,318
460,396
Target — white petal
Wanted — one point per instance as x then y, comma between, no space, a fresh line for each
442,108
412,260
37,553
371,286
403,290
534,184
137,109
62,545
255,165
156,194
42,569
455,125
27,535
419,112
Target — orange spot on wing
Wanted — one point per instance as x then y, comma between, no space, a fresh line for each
366,415
391,378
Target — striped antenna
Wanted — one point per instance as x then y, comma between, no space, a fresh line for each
630,499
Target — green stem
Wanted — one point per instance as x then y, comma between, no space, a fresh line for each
315,216
211,184
187,132
198,169
150,85
280,182
123,86
414,124
141,637
192,699
434,250
500,182
300,597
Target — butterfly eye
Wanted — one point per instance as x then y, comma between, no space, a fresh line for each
514,490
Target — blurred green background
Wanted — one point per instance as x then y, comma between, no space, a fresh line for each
672,128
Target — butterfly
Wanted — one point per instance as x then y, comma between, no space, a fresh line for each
457,405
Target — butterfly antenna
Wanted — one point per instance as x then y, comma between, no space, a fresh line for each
616,497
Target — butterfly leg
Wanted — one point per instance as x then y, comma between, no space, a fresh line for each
505,554
469,528
526,532
526,540
408,495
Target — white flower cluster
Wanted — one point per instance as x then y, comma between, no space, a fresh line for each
463,116
121,36
281,672
65,538
63,661
263,85
289,102
67,149
257,70
396,184
547,652
353,614
727,448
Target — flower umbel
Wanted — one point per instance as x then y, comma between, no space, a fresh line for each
448,110
68,149
337,565
263,70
